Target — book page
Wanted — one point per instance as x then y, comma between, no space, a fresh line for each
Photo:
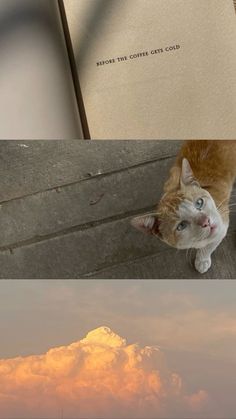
156,69
37,91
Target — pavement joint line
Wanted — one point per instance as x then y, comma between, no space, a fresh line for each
58,188
125,262
81,227
88,275
65,232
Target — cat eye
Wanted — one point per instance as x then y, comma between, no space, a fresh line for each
199,204
182,226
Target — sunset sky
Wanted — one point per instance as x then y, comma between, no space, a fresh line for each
117,349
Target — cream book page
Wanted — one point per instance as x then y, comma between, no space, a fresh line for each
37,99
156,69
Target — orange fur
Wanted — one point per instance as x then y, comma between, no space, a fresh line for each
214,166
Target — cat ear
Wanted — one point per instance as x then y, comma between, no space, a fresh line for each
148,224
187,176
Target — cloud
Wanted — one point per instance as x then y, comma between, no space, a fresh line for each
98,376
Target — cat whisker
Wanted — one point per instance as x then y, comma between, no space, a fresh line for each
224,212
190,257
191,260
187,254
228,211
221,203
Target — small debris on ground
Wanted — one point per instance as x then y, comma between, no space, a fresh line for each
97,199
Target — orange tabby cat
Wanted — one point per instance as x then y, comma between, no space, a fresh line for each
194,210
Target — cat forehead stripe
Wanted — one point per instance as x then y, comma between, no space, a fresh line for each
185,209
185,205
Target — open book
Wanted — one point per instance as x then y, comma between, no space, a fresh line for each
154,69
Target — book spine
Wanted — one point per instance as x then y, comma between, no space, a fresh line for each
83,117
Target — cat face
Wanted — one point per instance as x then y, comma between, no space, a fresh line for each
185,218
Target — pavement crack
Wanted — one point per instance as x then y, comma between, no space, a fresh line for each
74,229
87,177
122,263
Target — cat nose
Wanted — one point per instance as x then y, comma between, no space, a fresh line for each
204,221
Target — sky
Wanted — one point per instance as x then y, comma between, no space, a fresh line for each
117,349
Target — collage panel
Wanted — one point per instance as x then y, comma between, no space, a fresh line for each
117,349
117,70
117,210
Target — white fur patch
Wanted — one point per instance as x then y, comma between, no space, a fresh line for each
194,236
149,222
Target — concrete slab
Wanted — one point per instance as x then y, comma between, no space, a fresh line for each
81,204
28,167
74,254
172,264
110,250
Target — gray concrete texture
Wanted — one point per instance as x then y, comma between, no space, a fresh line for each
66,206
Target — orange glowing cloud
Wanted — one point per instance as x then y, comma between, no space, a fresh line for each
99,376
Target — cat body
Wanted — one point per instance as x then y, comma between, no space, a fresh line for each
194,210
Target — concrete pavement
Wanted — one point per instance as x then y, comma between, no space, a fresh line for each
65,210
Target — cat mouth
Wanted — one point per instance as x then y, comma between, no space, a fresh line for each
213,228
